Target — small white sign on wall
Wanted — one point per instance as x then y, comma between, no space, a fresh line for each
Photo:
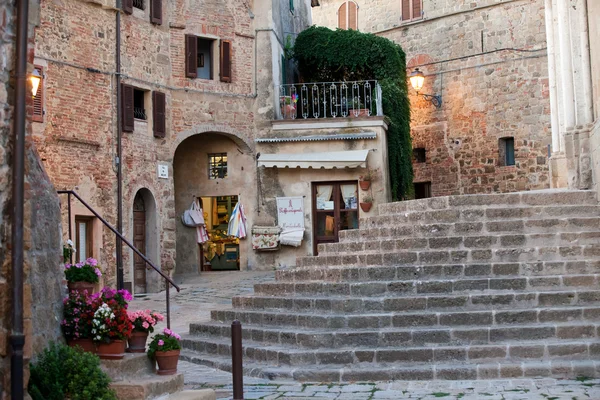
163,171
290,212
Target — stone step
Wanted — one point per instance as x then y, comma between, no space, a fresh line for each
566,369
482,241
364,352
471,256
536,198
147,386
506,226
131,366
449,271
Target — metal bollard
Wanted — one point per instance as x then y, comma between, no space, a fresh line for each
236,360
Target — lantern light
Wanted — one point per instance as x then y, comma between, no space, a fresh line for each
35,78
417,79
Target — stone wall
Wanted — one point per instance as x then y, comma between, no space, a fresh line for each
43,289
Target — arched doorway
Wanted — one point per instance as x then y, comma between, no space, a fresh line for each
139,241
145,238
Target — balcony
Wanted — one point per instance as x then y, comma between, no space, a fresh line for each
320,100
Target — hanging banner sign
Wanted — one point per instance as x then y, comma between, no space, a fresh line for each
290,213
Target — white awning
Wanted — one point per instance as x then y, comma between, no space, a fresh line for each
329,160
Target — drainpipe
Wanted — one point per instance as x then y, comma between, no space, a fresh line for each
119,249
17,337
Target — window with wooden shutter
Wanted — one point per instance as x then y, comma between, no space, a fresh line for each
191,56
352,15
159,108
127,98
156,12
342,16
38,100
225,61
412,10
127,6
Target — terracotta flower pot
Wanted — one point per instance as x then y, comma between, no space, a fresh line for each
81,286
85,344
288,111
114,350
167,362
366,207
137,342
364,185
358,112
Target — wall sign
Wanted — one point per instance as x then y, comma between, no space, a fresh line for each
290,212
163,171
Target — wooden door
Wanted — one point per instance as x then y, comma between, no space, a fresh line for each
139,241
335,208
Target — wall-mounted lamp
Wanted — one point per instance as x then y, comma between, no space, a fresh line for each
417,79
35,78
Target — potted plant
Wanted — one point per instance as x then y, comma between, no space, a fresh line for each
143,324
357,108
68,251
288,106
364,181
366,203
111,326
165,349
83,275
78,313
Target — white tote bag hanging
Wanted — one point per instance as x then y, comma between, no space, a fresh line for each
192,217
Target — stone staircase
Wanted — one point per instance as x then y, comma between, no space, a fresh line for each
461,287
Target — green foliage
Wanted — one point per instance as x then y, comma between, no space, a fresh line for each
63,372
324,55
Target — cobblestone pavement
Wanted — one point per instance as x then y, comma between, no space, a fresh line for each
213,290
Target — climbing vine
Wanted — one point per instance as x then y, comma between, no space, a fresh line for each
324,55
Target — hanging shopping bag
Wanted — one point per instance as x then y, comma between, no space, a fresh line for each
192,217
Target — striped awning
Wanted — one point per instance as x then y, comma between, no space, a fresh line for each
328,160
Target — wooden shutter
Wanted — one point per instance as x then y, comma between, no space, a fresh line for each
352,15
156,12
159,114
225,61
416,9
406,10
191,56
342,14
127,107
127,6
38,100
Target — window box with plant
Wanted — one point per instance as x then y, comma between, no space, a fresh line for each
143,324
111,326
78,313
165,349
83,275
366,203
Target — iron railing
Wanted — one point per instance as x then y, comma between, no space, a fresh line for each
329,100
139,113
167,279
138,4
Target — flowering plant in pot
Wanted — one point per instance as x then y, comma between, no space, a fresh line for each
165,349
83,275
365,180
143,324
68,251
288,106
366,203
111,326
78,313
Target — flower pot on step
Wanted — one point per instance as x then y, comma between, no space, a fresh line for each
137,342
366,207
81,286
85,344
167,362
113,350
364,185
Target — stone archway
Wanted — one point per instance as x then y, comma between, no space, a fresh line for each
192,179
146,239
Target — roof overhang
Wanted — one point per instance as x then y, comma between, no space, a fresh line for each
328,160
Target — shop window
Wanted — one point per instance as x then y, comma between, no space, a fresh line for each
221,251
420,155
199,58
506,151
139,109
335,208
348,15
422,190
83,237
217,166
412,10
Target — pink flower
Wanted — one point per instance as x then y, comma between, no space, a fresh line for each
97,271
161,342
91,261
146,325
67,266
158,317
168,332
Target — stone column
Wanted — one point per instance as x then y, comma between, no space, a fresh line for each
566,66
587,116
556,143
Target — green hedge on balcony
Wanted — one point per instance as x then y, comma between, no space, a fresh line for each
324,55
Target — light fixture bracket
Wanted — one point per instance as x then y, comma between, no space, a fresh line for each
434,99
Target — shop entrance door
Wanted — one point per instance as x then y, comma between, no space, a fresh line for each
335,208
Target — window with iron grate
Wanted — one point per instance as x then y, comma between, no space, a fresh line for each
139,109
217,165
139,4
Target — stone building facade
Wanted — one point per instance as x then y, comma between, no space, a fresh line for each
43,288
488,62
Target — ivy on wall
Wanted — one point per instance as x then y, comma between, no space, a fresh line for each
324,55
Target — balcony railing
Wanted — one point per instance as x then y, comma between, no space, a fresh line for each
329,100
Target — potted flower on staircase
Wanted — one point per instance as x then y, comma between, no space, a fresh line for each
165,349
366,203
78,313
111,326
143,324
83,275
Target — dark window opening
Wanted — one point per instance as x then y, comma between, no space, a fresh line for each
422,190
506,151
420,155
217,166
139,4
139,110
205,58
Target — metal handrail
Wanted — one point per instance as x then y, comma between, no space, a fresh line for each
131,246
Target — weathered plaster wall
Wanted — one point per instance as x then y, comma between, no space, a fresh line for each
42,251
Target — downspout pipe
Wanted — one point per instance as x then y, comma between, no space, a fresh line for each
119,249
17,336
